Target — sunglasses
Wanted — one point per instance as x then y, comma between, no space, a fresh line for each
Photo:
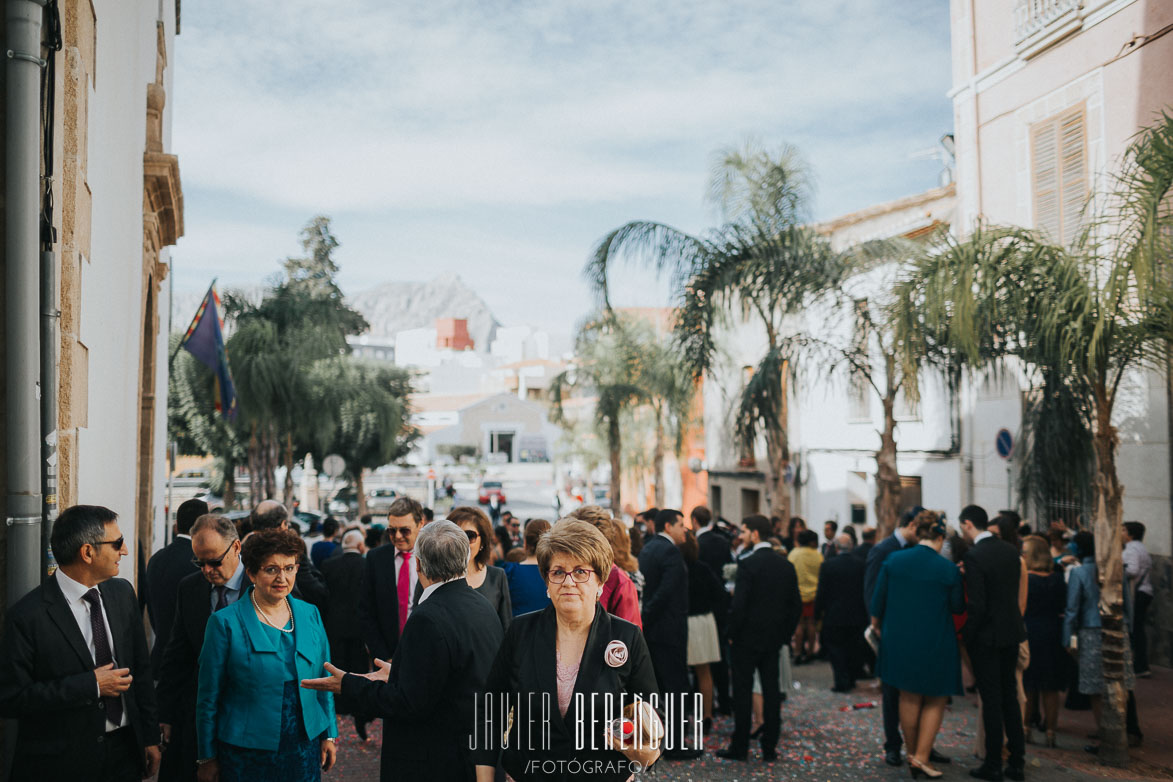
213,563
472,534
117,544
404,531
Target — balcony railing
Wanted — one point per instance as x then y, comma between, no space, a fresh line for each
1038,23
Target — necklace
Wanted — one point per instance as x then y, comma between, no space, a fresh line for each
268,621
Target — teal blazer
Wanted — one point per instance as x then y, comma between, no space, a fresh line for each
242,679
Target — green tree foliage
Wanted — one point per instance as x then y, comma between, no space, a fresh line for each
764,262
1083,316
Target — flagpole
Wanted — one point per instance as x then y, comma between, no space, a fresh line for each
179,347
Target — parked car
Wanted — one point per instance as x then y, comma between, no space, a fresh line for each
602,496
488,489
379,501
308,520
344,502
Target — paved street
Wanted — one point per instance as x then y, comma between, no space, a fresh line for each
820,741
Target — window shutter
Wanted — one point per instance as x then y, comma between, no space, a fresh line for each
1059,174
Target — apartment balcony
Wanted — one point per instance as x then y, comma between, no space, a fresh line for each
1039,24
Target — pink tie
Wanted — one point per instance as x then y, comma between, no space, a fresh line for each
404,588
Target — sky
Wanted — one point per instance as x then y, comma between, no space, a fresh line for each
500,140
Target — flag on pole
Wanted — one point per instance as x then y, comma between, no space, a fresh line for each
205,340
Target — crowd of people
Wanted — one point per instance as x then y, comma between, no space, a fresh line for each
634,634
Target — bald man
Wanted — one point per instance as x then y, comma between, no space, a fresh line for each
839,604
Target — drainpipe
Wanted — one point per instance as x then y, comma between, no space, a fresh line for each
49,350
22,194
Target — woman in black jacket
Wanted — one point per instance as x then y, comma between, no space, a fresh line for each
706,596
563,675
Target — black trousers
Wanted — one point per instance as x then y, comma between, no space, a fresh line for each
993,672
1140,638
179,757
890,706
720,671
842,647
745,661
670,662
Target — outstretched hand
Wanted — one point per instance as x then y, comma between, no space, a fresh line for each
381,673
331,683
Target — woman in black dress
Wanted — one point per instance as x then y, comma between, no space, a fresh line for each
487,579
1045,603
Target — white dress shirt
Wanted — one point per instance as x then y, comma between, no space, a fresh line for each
1137,565
80,607
429,590
413,579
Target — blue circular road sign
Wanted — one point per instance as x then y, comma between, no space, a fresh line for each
1004,443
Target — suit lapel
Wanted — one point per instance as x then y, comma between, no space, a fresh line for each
62,616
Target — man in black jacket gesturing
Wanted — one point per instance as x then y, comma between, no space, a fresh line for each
766,609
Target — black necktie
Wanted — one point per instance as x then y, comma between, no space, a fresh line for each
221,597
102,653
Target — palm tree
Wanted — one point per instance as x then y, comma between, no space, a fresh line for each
607,363
763,262
1087,315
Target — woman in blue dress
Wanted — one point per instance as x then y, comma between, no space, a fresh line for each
916,595
253,721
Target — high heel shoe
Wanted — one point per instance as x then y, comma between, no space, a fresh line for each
919,769
758,733
1050,738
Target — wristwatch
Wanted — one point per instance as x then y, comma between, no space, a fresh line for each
202,761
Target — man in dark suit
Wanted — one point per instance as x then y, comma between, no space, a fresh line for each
169,566
905,535
384,607
716,552
867,540
839,606
765,614
220,582
74,667
426,695
992,634
344,576
665,612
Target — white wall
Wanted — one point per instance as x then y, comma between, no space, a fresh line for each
111,279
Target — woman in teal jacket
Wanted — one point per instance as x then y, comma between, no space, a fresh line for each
253,721
916,595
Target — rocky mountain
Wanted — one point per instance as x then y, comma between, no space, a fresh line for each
389,308
396,306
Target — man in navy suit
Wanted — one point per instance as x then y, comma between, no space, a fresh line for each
169,566
665,610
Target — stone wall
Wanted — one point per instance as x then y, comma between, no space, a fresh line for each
1160,625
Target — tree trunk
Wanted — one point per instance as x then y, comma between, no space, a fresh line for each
778,454
288,488
229,484
613,444
270,462
360,493
887,473
1108,522
255,467
658,461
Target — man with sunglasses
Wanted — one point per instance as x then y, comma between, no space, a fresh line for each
74,667
220,582
391,587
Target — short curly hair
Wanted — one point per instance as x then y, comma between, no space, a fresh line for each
263,544
466,514
578,539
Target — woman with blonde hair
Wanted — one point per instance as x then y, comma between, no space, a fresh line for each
576,657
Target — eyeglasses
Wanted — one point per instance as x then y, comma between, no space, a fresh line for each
580,575
404,531
213,563
117,544
472,534
272,571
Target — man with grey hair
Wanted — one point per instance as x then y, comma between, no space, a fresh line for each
345,575
219,582
426,695
839,605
